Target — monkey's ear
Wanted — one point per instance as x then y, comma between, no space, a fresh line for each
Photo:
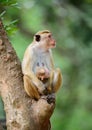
37,38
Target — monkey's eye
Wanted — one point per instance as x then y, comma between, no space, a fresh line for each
49,36
37,38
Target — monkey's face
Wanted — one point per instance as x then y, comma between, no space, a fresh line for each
50,41
45,40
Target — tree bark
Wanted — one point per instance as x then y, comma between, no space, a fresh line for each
1,128
22,112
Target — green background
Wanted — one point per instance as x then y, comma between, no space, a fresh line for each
70,21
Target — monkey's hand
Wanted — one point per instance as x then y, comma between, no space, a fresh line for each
46,88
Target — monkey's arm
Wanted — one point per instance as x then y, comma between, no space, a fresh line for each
57,80
51,61
55,77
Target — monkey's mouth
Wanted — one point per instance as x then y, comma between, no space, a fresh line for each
53,45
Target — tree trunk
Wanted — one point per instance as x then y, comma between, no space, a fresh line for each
22,112
1,128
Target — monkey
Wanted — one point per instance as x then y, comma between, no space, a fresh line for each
40,75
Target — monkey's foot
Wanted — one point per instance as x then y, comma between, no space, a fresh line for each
50,98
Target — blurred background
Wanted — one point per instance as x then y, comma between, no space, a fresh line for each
70,21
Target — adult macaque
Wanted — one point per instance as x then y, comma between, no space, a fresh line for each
40,76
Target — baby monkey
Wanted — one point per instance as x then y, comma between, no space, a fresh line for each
40,76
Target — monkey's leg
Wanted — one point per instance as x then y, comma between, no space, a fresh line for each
30,88
56,80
